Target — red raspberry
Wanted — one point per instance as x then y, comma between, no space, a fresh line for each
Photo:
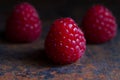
99,25
65,42
24,24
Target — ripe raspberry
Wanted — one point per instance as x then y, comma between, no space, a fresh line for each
65,42
99,25
24,24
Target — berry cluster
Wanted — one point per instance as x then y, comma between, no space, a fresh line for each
65,42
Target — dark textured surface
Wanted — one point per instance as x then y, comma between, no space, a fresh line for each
28,61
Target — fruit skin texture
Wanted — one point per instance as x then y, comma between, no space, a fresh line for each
99,25
24,24
65,42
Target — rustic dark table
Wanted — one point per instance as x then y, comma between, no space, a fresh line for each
28,61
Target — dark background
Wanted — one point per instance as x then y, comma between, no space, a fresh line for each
28,61
49,10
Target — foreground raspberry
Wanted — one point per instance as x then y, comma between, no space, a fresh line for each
24,24
65,42
99,25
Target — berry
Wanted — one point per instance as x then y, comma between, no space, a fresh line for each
24,24
99,25
65,42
